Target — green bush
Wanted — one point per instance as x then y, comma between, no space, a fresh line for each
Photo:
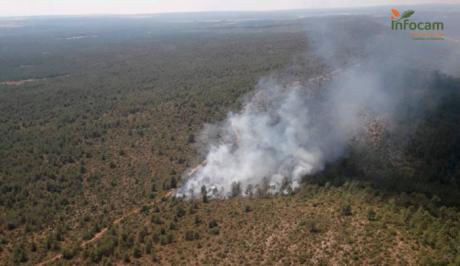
137,252
313,227
69,252
156,219
214,231
371,215
166,239
213,223
144,210
204,194
19,254
104,248
191,235
345,210
180,212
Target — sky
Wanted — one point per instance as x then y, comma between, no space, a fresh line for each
85,7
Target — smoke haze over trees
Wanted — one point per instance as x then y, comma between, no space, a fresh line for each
293,125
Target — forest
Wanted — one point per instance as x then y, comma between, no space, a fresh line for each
101,116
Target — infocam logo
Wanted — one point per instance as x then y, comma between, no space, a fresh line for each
402,22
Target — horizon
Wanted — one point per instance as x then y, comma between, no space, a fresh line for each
29,10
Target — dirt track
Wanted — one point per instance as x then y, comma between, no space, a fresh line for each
104,230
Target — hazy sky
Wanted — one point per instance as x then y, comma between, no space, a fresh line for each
74,7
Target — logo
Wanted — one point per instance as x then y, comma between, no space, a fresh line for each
397,16
418,30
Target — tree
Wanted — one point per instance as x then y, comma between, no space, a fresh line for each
345,210
236,189
113,165
141,235
263,188
33,246
213,223
249,190
137,252
19,254
204,194
69,252
371,215
180,212
286,186
247,208
126,258
313,227
156,219
172,226
214,231
148,247
144,209
191,235
173,182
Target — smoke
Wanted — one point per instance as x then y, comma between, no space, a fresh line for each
293,125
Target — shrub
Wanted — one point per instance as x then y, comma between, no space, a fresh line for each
192,209
313,227
345,210
144,210
166,239
104,248
371,215
33,247
213,223
191,138
148,247
137,253
180,212
156,238
19,254
214,231
173,182
172,226
126,258
90,233
191,235
69,252
141,235
51,243
156,219
11,225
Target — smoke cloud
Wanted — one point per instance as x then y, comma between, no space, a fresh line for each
293,125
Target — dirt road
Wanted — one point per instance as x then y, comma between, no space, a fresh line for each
104,230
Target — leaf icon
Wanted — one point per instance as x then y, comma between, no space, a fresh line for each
407,14
395,12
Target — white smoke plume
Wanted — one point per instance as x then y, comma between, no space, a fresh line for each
273,137
290,129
